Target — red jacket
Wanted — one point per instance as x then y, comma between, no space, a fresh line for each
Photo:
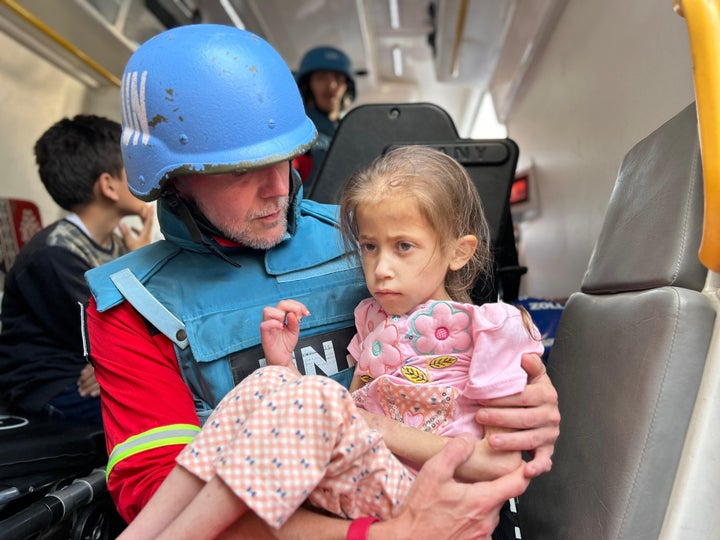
148,410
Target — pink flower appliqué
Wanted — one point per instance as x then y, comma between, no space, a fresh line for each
379,352
441,329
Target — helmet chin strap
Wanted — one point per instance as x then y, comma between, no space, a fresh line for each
195,223
201,229
295,185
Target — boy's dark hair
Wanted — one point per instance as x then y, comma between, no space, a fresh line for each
73,153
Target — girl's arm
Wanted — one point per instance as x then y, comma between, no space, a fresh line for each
416,446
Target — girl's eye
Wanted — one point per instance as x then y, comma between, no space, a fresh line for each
367,248
404,246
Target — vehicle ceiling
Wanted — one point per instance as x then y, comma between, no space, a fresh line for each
451,51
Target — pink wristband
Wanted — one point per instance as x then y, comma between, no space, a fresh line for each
360,527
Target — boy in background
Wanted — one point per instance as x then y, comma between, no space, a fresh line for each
42,363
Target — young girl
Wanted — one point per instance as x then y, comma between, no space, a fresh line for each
424,355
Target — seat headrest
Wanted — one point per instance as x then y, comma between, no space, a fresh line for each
653,224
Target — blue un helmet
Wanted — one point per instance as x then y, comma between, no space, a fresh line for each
326,58
208,99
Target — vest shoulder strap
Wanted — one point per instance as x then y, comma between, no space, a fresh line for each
143,263
150,307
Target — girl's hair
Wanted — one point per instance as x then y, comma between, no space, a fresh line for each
445,195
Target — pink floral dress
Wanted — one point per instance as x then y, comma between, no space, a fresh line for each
429,367
279,438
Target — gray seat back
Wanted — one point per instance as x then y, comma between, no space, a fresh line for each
629,353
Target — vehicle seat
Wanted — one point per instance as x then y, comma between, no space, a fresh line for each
369,131
629,356
19,221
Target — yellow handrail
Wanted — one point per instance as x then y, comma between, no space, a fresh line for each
60,40
459,32
703,23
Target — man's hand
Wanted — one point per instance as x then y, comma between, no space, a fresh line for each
87,384
137,238
534,413
439,507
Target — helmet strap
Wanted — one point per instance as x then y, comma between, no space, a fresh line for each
196,223
293,211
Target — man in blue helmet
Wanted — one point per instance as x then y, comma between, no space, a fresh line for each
327,86
211,119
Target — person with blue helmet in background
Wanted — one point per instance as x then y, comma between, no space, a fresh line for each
212,118
327,86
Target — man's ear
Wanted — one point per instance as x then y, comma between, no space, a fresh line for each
106,185
463,250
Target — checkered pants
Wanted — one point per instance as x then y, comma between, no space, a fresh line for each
279,438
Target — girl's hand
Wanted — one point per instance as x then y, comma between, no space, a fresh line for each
279,331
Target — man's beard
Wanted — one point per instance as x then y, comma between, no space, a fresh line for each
244,233
255,241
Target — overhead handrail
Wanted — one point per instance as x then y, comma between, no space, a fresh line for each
703,22
459,32
60,40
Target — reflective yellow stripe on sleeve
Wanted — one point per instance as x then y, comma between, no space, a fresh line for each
154,438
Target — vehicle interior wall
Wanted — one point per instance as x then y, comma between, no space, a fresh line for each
35,94
28,109
611,72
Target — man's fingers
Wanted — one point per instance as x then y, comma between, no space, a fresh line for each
540,442
456,452
517,417
510,485
534,395
533,366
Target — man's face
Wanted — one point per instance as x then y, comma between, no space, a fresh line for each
249,208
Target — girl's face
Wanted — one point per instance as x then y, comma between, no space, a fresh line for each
402,259
328,89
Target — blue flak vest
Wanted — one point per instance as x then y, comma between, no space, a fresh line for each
211,309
